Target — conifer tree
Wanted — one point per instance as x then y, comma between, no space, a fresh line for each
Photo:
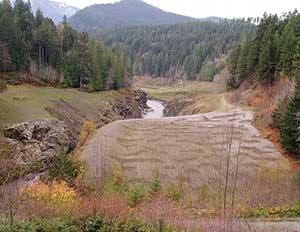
233,66
242,62
296,61
290,128
288,47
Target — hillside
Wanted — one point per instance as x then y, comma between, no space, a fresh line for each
157,128
194,50
122,14
273,55
52,9
58,55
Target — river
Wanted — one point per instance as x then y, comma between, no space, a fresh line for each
156,111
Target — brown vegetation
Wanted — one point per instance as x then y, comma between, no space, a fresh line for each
262,99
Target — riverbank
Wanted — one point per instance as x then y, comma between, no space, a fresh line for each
156,110
40,123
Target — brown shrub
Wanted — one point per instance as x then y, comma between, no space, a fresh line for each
109,207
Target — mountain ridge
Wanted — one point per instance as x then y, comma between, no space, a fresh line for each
123,14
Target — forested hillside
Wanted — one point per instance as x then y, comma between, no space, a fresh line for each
272,54
274,50
122,14
187,50
32,42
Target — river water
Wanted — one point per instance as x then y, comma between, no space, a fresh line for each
156,111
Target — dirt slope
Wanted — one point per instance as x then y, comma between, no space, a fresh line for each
186,148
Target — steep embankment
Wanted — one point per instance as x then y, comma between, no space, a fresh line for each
262,100
41,122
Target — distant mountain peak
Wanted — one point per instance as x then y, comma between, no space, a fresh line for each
132,1
52,9
123,14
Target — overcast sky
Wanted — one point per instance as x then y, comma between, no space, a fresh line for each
204,8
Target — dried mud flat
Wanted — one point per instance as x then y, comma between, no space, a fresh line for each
185,148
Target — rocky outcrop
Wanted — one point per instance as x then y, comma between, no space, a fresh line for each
128,104
71,117
175,106
36,143
131,104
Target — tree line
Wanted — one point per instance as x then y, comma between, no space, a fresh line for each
27,39
273,52
181,50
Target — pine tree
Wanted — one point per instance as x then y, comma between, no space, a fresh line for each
253,57
288,48
264,61
296,61
72,71
96,80
5,58
233,67
39,18
242,62
290,128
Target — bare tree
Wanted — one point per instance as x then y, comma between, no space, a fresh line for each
9,186
230,158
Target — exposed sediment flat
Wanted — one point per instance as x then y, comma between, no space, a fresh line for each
188,148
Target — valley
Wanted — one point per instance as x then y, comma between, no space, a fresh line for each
189,152
125,117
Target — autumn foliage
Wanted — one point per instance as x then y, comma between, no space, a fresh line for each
42,200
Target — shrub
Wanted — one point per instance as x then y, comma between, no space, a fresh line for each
99,225
55,225
117,183
64,168
41,200
296,178
291,211
156,185
174,193
204,193
94,225
88,129
129,226
109,207
279,113
136,194
20,98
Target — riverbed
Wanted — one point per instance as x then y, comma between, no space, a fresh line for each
156,110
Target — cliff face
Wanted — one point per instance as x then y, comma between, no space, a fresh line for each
33,144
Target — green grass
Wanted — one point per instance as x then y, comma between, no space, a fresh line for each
188,89
25,102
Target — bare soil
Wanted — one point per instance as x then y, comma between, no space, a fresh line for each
185,148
